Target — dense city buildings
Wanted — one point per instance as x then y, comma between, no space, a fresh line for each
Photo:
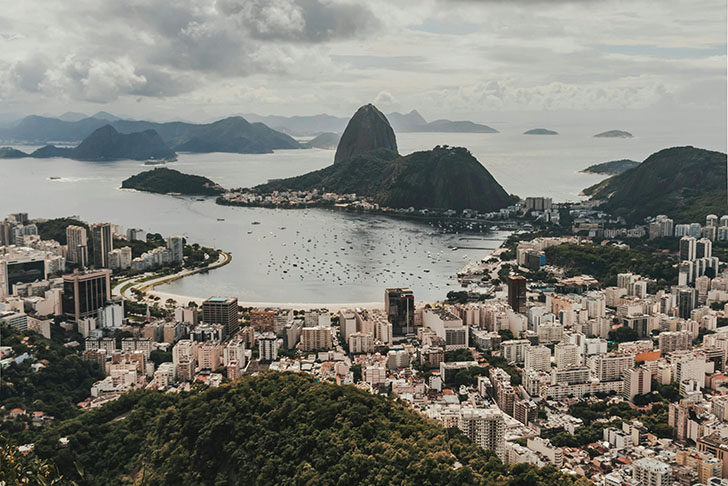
622,382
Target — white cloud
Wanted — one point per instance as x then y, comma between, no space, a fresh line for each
309,56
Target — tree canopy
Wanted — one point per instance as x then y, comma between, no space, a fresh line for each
276,428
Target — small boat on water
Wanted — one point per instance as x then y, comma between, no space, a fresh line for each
54,178
221,219
255,222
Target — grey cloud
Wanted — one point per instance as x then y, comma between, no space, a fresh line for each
300,20
28,75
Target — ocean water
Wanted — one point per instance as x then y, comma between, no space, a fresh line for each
322,256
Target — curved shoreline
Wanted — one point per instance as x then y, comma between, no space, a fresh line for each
124,287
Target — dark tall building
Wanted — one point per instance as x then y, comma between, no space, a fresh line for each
517,293
102,244
85,293
686,301
399,305
687,248
221,310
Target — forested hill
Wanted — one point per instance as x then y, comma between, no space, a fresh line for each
274,429
685,183
64,379
164,181
443,178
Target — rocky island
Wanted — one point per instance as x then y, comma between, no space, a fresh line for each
540,131
170,181
613,167
614,134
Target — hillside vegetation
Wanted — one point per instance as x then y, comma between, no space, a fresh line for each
163,181
64,380
274,429
445,177
685,183
605,262
613,167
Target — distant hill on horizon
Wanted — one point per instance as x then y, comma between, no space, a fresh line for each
307,125
233,134
104,144
685,183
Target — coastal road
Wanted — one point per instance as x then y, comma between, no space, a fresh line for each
125,287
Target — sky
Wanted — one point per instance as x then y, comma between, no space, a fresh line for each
198,60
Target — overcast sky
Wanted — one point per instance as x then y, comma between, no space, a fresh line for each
201,59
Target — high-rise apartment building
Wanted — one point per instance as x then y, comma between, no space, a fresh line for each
537,358
268,346
517,293
637,381
610,367
651,472
687,248
399,305
316,338
85,293
485,427
177,247
77,241
703,248
102,244
221,310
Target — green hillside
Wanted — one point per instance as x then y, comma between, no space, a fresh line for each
274,429
685,183
445,178
164,181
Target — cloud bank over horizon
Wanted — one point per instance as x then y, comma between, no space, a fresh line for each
193,60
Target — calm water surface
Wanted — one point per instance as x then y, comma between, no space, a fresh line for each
318,255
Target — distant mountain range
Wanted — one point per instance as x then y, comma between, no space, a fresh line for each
367,164
234,134
104,143
613,167
402,123
685,183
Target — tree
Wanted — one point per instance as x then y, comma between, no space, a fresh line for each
506,334
623,334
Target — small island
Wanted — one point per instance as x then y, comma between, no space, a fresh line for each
614,134
326,140
540,131
170,181
613,167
